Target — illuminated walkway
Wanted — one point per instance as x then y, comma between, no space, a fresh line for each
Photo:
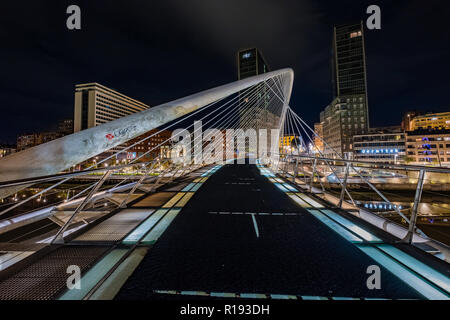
242,236
234,231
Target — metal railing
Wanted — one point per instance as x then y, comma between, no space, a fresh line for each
340,171
153,169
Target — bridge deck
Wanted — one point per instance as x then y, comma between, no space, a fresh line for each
241,233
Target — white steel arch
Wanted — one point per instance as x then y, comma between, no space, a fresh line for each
63,153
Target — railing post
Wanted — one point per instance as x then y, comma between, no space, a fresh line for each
312,175
155,185
137,184
412,221
59,237
295,171
302,169
344,185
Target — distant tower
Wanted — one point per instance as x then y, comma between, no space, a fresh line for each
96,104
348,114
349,68
250,63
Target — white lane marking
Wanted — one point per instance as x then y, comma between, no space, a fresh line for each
255,225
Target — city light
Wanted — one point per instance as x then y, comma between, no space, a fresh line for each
386,151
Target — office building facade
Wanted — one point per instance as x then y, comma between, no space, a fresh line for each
348,113
384,145
250,63
157,145
318,138
428,147
29,140
7,149
407,118
96,104
434,121
26,141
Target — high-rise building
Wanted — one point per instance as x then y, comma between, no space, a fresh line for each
96,104
250,63
348,113
349,62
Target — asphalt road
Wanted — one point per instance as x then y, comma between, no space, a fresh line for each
296,254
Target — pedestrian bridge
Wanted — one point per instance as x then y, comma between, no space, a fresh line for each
263,226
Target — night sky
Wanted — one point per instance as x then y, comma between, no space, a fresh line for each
157,51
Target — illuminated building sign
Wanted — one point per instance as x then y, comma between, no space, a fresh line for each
384,151
382,206
246,55
131,155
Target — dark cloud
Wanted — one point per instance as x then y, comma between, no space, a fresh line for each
157,51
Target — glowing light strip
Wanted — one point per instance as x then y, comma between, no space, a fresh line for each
196,187
158,230
427,272
281,187
335,226
184,200
173,200
144,227
404,274
94,275
351,226
189,186
309,200
299,201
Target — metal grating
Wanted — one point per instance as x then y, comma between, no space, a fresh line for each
177,187
154,200
46,277
116,227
